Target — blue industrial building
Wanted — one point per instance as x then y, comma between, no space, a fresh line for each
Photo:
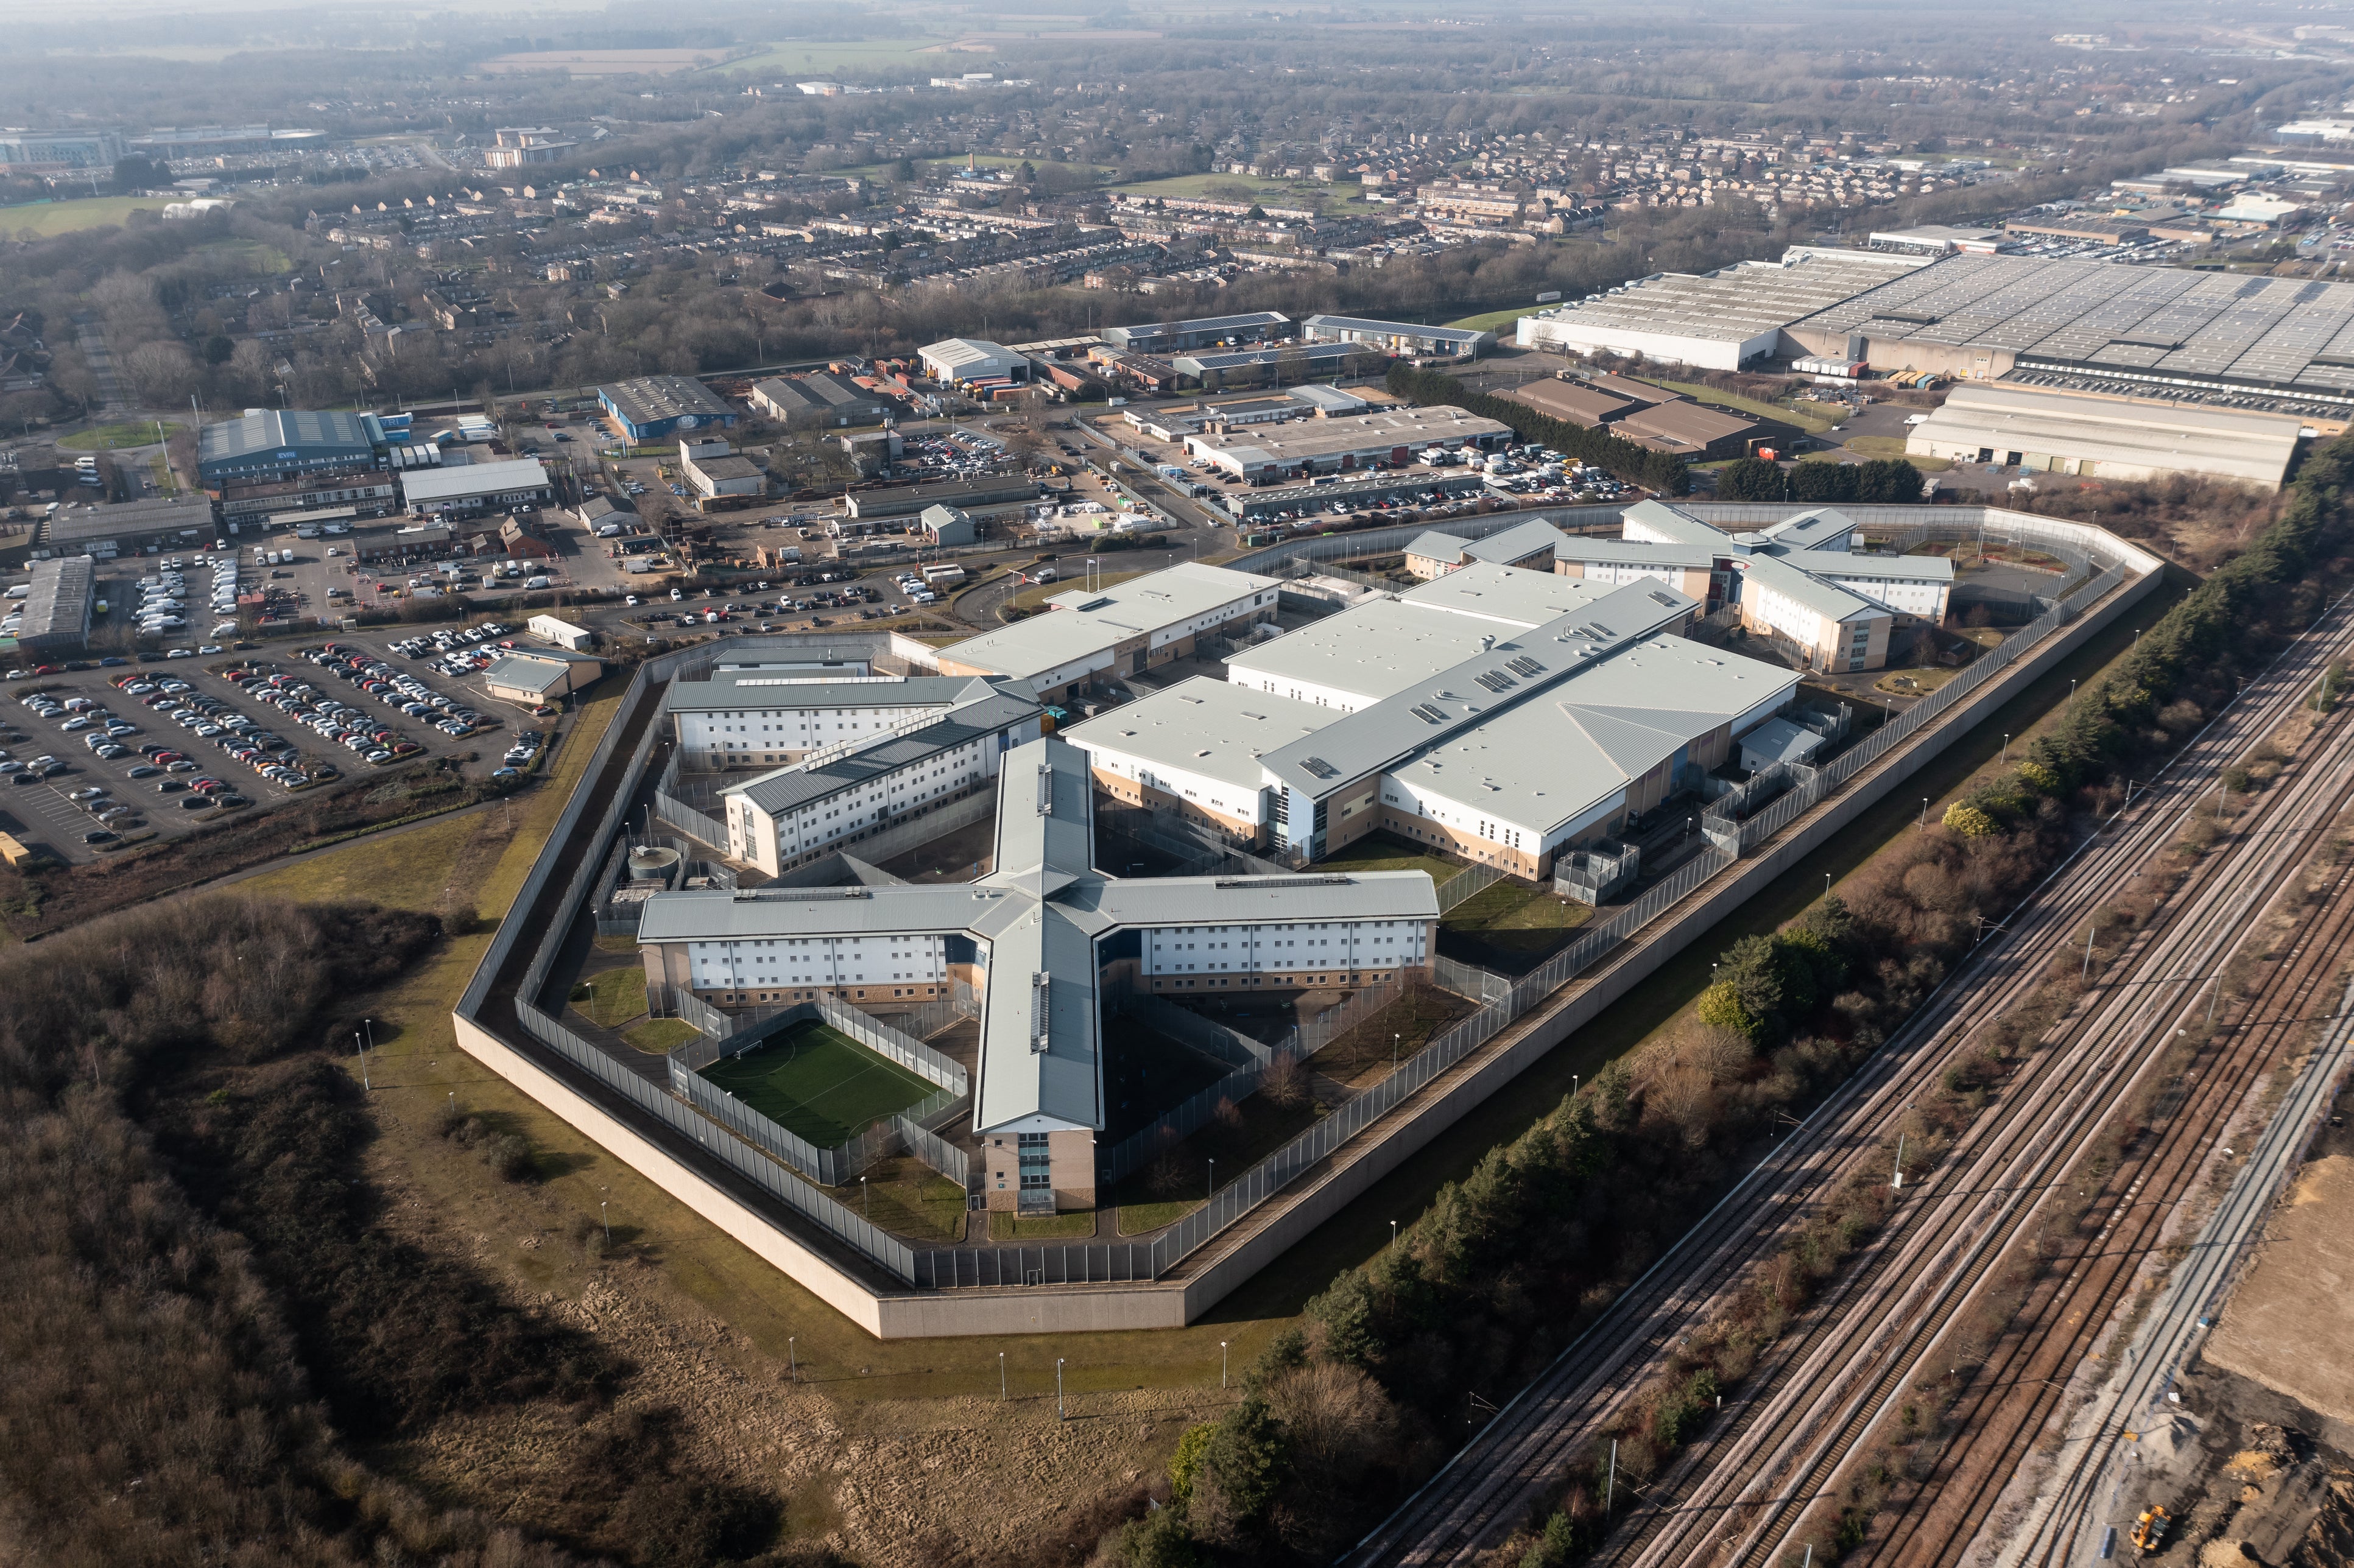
654,406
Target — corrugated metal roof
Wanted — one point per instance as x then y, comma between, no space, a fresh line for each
810,687
1211,728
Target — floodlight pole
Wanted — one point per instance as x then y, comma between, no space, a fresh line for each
1221,1364
1060,1415
1001,1377
793,1366
1610,1484
365,1084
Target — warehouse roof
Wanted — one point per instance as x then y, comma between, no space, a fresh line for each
128,520
1198,364
425,486
2227,443
530,672
1314,438
1573,400
1570,752
1734,303
650,399
1467,337
58,608
2276,332
1418,714
956,353
272,430
789,789
1081,623
1203,726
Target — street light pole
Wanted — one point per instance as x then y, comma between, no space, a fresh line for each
1001,1377
792,1362
1221,1364
365,1084
1059,1412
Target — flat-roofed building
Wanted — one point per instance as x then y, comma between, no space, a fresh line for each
1391,436
2057,431
1125,628
724,472
157,522
1695,431
476,488
842,794
1576,402
1194,747
1720,319
1247,366
1410,339
911,500
1205,331
653,406
367,492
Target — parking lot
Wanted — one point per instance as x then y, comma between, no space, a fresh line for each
247,731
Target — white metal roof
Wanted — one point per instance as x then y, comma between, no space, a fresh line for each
422,487
1210,728
1080,624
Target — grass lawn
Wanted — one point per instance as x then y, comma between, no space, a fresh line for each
1877,446
1364,1054
1510,927
1497,322
1137,1219
907,1198
49,217
613,997
697,1266
251,254
819,1084
1032,597
1005,1227
1813,424
1349,197
111,437
1913,682
660,1036
1379,852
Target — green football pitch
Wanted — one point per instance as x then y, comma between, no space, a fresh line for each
819,1084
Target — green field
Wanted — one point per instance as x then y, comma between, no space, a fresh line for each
250,256
1379,852
819,1084
1812,423
111,437
814,58
1349,197
47,217
612,997
1497,322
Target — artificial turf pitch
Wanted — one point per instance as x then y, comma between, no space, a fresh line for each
819,1084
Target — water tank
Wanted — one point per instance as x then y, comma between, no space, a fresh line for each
653,861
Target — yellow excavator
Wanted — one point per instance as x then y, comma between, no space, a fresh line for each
2150,1530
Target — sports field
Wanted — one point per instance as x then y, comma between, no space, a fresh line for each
47,217
819,1084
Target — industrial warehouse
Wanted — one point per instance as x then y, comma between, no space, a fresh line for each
2098,369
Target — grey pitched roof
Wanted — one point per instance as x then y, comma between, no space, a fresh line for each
790,789
1470,692
798,687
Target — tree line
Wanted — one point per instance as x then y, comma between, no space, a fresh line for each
1340,1417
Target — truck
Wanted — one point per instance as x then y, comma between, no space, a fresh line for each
940,574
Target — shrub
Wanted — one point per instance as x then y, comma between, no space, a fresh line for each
1969,820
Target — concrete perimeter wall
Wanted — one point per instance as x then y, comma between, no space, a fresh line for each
1173,1303
1325,1198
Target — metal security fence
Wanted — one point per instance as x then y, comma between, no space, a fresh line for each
1466,883
1189,1115
775,1179
1467,979
1813,784
1206,1035
1113,1263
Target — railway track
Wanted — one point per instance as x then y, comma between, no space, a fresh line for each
1734,1503
2010,1396
1521,1457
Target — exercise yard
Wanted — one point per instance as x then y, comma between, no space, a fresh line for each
819,1084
